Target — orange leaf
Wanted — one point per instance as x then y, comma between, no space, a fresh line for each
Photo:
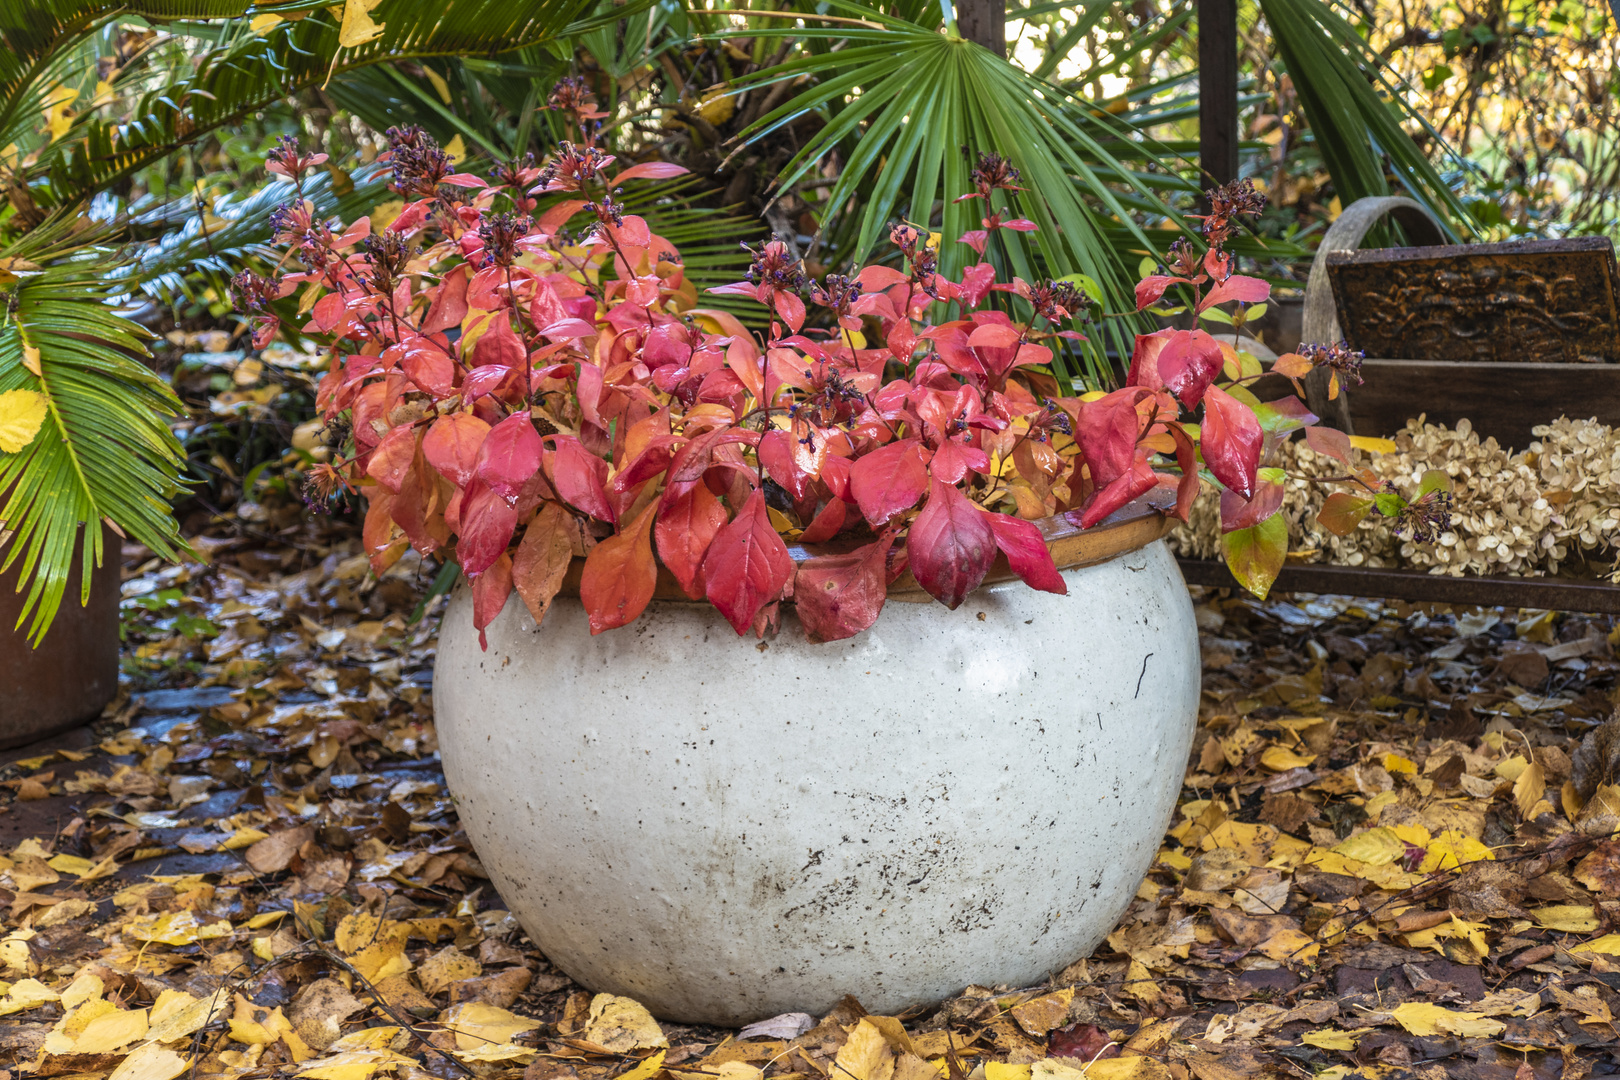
542,559
620,574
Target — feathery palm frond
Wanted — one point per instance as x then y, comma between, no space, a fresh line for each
248,70
104,452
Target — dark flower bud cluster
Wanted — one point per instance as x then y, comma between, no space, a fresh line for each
500,234
992,173
838,293
511,173
1056,301
775,267
924,260
573,167
834,401
252,293
1184,259
1341,358
1051,420
571,94
286,159
1227,202
418,162
295,227
324,483
606,211
387,253
1425,519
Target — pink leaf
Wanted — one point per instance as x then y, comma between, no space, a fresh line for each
838,596
1021,541
1329,441
650,170
1231,441
747,565
510,455
888,480
1247,290
580,477
950,545
490,591
487,524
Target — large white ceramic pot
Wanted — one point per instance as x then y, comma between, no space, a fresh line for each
726,829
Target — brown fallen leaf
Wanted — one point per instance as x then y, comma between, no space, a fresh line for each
1596,761
275,852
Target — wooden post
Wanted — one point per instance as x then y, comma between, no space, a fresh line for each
984,22
1217,90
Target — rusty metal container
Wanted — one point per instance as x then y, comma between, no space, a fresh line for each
74,672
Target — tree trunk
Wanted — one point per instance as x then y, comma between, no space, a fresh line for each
984,22
1217,91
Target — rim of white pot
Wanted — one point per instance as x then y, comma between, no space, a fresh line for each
1130,528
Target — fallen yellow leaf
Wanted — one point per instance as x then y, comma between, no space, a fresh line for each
1569,918
1375,847
1333,1039
1608,945
1281,759
358,26
151,1062
1423,1019
22,414
478,1024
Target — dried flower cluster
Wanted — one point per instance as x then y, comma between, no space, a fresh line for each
1529,513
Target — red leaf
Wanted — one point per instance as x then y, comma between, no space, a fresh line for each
1188,363
951,545
828,523
510,455
1231,439
620,575
490,591
976,282
499,346
1150,289
451,446
542,559
649,170
790,308
377,534
1248,290
1084,1042
393,458
1187,459
955,457
1329,441
1021,541
1107,431
686,527
1105,500
487,524
776,454
747,565
1240,513
429,366
888,480
838,596
1342,512
449,305
580,477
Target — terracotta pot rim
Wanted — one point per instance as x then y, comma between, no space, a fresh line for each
1131,528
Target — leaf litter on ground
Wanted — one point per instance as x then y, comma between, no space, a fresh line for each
1397,853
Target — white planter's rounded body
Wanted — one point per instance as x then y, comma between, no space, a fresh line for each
726,829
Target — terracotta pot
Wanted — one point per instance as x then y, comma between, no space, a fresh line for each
74,671
726,829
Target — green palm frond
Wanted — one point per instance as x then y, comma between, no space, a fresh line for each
900,105
1356,127
105,452
247,71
